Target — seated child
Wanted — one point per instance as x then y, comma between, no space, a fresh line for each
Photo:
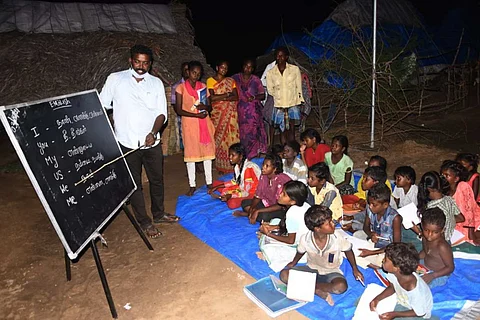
375,161
406,191
470,162
340,165
463,195
324,193
430,195
264,206
312,149
436,253
292,165
277,149
414,298
383,224
324,251
289,230
371,177
245,179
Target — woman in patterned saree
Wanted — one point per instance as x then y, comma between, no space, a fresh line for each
224,99
250,121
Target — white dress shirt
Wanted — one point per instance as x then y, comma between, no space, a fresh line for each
136,105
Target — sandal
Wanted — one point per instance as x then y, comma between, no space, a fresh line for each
168,218
152,232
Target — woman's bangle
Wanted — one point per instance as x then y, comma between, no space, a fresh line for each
153,133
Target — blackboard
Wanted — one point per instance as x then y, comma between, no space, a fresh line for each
59,141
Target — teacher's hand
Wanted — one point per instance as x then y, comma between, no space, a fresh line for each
149,140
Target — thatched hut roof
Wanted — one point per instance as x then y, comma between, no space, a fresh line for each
38,66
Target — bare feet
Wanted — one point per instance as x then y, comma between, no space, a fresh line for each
238,213
325,296
329,299
260,255
215,196
191,191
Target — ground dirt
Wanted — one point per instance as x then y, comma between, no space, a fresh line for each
182,278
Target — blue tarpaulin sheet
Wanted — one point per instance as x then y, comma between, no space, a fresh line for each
212,222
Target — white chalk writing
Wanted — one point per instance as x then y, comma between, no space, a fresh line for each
51,160
60,103
34,129
78,150
112,176
81,163
66,120
87,116
71,200
14,119
58,175
41,146
98,157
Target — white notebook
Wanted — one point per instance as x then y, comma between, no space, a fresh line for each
363,311
301,285
409,215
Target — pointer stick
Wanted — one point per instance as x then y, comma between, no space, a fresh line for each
106,164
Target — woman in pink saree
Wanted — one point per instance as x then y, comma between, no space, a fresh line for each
224,99
250,119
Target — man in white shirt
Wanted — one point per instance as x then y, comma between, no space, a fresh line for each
284,83
139,113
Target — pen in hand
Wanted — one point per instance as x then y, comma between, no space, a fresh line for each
360,279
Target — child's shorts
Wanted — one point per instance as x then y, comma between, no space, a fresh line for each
321,278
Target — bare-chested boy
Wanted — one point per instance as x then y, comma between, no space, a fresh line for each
437,253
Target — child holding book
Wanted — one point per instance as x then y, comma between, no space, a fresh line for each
414,298
436,254
406,191
324,251
324,192
264,206
287,233
383,224
245,179
312,149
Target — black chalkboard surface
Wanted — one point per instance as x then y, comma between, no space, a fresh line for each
59,141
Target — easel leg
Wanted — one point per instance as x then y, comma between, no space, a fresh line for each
137,227
68,269
101,273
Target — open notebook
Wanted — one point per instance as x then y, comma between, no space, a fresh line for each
269,293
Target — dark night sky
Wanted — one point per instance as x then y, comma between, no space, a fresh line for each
234,31
228,32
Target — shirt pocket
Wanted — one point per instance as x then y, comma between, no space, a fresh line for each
150,97
332,258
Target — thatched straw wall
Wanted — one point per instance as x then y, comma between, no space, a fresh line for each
38,66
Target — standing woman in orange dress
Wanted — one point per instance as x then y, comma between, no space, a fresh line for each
197,127
224,99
